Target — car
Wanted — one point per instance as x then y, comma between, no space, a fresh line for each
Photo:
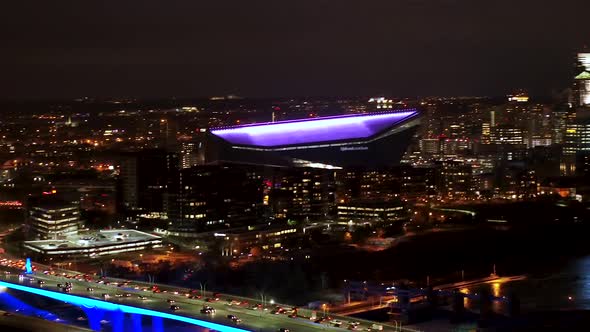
293,315
127,294
283,330
174,307
207,310
90,289
105,296
170,301
352,327
60,286
336,323
119,295
278,311
234,319
40,282
141,297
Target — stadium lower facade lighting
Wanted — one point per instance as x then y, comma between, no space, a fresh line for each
375,139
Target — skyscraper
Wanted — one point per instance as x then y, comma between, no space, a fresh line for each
144,179
581,89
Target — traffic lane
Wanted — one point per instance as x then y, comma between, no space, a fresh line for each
345,320
276,321
112,288
259,322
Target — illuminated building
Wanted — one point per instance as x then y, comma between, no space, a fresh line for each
577,135
367,140
189,156
210,197
455,179
104,242
302,193
51,218
371,211
507,135
581,88
418,182
264,237
516,182
430,146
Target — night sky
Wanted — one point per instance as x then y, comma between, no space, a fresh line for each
149,48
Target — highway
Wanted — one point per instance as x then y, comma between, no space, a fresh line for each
254,320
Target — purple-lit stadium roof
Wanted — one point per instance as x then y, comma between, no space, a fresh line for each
305,131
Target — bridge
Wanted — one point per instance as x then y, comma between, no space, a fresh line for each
129,305
95,311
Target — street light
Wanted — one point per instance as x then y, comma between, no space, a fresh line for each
272,301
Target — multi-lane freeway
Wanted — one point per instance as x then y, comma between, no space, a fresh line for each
141,295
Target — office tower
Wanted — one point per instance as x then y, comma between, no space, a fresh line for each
52,218
507,134
581,88
189,154
302,193
144,179
455,179
213,197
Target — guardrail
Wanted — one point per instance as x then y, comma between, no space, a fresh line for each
301,311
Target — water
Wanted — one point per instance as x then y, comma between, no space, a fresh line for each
566,288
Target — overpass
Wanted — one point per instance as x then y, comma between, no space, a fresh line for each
141,301
95,310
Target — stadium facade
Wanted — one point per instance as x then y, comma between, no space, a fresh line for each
361,140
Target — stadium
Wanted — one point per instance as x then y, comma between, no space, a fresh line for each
360,140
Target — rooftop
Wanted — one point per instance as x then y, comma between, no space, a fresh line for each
304,131
94,239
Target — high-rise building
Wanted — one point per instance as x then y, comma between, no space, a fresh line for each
212,197
418,182
577,137
581,89
144,179
51,218
189,154
506,134
302,193
455,179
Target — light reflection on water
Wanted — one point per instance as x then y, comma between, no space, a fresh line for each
569,288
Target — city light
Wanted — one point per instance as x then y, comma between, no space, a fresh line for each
312,130
102,305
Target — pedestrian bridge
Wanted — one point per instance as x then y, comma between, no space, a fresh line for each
96,310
